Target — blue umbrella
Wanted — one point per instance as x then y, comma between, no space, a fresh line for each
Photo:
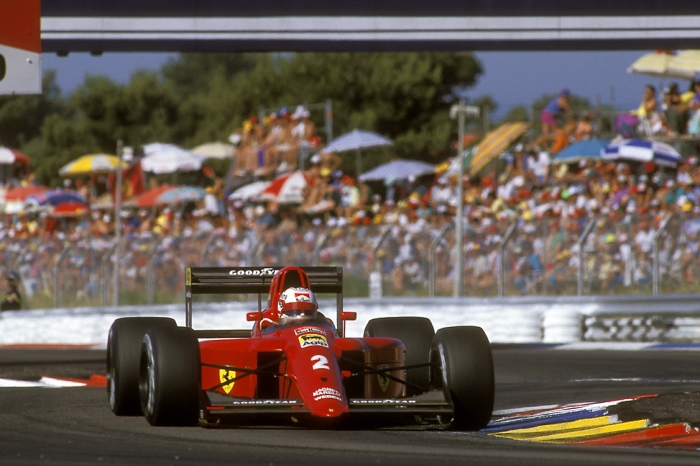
640,150
53,198
582,150
357,140
398,169
181,194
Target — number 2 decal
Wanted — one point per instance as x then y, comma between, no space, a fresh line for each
321,362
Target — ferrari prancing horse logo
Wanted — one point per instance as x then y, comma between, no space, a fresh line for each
226,375
382,378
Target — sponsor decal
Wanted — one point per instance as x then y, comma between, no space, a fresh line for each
303,330
264,402
253,272
326,393
383,402
382,378
312,339
226,375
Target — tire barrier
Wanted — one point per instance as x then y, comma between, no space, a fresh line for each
667,318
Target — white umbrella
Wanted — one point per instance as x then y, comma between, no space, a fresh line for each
640,150
215,150
658,64
398,169
357,140
287,188
169,158
687,61
249,191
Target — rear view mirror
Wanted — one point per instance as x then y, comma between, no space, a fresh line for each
348,315
254,316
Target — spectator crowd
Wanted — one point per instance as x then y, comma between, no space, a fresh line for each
599,218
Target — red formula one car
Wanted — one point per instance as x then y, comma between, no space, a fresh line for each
296,364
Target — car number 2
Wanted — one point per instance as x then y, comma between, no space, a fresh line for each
321,362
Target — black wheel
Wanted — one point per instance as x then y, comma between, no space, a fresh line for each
416,333
463,368
170,376
123,358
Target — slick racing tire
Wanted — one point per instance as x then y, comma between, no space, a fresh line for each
170,376
416,333
463,368
123,357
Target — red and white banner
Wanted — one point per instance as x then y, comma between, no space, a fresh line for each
20,47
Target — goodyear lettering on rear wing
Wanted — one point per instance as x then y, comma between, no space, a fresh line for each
254,272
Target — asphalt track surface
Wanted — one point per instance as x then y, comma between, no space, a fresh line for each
74,426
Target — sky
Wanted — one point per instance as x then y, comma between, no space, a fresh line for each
510,78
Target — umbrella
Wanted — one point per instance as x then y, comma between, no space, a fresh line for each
181,194
169,158
15,197
357,140
658,64
52,198
148,198
69,209
91,164
687,61
398,169
582,150
12,156
215,150
495,142
640,150
249,191
286,189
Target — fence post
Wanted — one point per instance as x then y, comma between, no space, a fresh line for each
656,277
56,275
105,264
432,273
584,236
321,241
502,258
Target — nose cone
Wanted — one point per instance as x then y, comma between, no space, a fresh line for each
327,402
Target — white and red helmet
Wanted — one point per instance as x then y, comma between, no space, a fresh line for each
297,301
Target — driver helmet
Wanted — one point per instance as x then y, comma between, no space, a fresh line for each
297,302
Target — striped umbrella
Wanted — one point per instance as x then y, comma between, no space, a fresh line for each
287,189
640,150
12,156
91,164
494,143
658,64
399,169
687,61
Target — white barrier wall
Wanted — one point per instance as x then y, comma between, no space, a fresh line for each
512,320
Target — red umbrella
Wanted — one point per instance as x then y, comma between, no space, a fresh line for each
13,156
22,192
287,189
69,209
149,198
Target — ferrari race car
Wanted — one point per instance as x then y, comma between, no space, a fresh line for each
295,364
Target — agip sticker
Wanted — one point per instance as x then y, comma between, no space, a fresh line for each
312,339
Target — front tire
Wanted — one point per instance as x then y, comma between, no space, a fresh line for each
416,333
123,357
463,368
170,376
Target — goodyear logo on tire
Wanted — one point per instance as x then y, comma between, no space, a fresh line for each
225,376
312,339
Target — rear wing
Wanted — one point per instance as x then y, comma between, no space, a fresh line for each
255,280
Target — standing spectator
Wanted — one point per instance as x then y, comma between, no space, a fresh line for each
555,107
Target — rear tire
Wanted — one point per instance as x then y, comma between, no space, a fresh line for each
417,334
123,357
463,368
170,376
